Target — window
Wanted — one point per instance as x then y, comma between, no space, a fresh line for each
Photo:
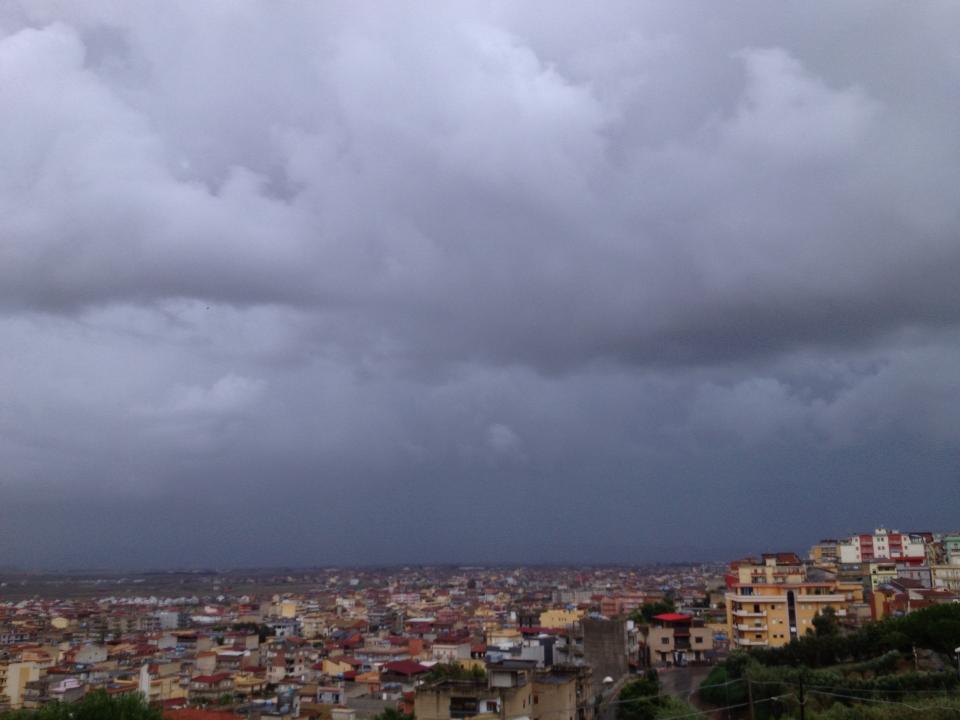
664,641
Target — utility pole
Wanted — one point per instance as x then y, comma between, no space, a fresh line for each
803,703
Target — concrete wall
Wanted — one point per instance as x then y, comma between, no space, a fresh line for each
605,649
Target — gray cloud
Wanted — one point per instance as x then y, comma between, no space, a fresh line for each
549,270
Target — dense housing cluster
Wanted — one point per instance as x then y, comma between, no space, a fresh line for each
443,643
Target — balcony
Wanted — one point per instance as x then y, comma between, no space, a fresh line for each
743,642
755,599
751,628
744,613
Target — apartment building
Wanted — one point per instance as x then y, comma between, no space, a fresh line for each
951,549
512,690
506,693
14,676
677,639
945,577
560,618
883,544
825,553
771,602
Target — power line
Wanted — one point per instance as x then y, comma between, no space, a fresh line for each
904,691
887,702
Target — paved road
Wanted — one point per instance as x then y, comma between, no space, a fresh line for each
682,682
608,708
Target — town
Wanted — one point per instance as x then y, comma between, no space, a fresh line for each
446,642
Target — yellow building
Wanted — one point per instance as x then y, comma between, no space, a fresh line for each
15,677
773,602
314,625
560,618
334,666
825,553
287,609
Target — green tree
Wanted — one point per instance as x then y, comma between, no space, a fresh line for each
640,699
825,623
96,705
392,714
455,671
646,613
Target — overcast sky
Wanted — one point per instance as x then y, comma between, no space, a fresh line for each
319,283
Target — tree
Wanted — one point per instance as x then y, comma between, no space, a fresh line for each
455,671
392,714
640,699
646,613
825,623
96,705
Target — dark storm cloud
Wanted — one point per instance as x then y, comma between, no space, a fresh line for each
485,259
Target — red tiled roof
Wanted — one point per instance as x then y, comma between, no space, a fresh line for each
671,617
538,630
211,679
406,667
197,714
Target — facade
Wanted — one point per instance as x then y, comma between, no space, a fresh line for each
605,649
556,696
771,602
14,677
210,688
881,573
560,618
951,549
826,552
945,577
506,693
883,544
677,639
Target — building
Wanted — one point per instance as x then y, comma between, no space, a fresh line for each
945,577
210,688
14,677
825,553
883,544
676,639
771,602
558,695
507,693
559,618
950,545
881,573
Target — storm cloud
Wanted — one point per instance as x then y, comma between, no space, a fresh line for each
357,282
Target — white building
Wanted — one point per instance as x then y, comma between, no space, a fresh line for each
883,544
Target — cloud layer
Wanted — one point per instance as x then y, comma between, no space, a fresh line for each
474,283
